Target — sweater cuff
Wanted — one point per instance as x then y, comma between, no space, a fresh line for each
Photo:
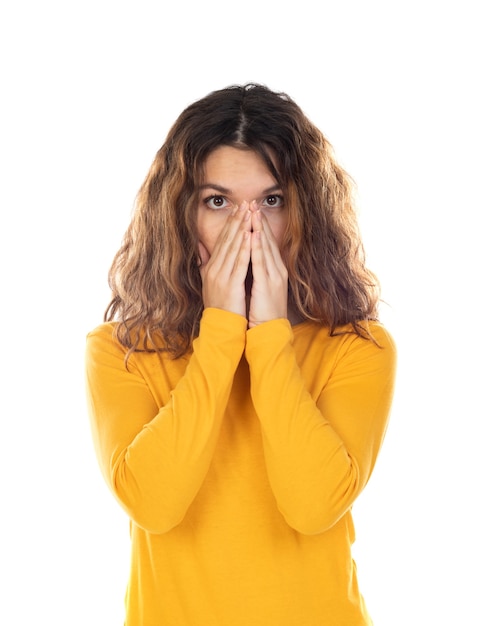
268,337
220,321
221,332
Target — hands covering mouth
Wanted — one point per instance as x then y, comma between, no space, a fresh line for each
246,240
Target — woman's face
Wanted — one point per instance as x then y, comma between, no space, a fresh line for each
231,176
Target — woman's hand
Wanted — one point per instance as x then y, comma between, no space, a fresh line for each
270,276
224,271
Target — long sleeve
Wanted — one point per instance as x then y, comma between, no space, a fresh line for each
155,423
320,444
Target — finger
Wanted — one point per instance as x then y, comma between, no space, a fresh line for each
264,236
203,253
230,239
272,242
243,257
257,251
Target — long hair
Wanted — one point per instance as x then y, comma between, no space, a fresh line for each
155,278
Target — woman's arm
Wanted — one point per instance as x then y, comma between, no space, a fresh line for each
154,455
320,453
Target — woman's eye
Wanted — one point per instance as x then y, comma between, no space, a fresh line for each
216,202
274,201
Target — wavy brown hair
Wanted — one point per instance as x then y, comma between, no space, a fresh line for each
155,279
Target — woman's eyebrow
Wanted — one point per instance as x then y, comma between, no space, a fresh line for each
272,189
224,190
214,186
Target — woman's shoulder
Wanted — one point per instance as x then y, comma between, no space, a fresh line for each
379,333
102,338
369,340
102,330
366,329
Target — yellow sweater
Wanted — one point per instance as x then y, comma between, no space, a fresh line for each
238,466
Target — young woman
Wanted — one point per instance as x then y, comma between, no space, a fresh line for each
240,387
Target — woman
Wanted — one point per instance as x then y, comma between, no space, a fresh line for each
240,387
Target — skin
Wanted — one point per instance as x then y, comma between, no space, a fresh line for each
241,221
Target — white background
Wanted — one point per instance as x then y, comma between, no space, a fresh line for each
402,90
